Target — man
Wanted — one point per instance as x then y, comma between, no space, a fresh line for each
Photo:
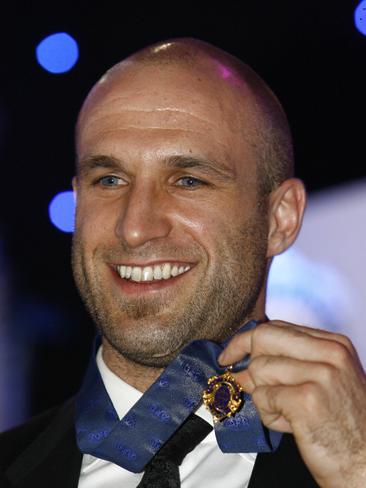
184,194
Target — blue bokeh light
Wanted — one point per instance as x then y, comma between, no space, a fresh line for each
360,17
62,211
57,53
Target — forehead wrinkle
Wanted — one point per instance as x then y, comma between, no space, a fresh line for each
135,110
115,130
171,129
106,123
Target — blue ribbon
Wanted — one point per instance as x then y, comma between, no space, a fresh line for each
133,441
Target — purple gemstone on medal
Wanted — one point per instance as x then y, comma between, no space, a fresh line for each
222,398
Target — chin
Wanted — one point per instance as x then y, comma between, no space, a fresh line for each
145,346
149,360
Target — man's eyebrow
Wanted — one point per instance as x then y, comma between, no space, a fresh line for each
204,165
91,163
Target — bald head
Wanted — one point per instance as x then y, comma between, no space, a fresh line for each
179,147
256,115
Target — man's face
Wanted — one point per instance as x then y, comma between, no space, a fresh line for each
167,194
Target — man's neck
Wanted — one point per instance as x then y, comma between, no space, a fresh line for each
136,375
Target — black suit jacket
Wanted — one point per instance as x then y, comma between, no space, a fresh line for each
43,454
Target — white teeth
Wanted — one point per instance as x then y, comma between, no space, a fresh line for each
151,273
147,274
157,273
136,273
166,271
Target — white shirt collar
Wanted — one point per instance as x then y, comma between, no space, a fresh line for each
122,395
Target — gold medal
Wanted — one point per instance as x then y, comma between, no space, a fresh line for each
223,396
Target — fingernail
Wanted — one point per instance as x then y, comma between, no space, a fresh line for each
222,358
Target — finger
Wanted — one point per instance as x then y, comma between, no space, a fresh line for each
245,380
321,333
279,405
270,416
244,340
271,339
239,347
242,364
277,370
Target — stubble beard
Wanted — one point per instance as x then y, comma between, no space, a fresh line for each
143,331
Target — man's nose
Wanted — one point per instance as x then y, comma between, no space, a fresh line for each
143,216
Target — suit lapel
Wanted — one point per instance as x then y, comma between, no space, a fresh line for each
282,469
4,482
52,459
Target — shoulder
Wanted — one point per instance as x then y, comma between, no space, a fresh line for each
13,442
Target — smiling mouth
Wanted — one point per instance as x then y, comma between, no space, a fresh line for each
158,272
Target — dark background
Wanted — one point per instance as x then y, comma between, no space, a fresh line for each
309,52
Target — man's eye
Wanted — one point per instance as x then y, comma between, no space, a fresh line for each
110,180
190,182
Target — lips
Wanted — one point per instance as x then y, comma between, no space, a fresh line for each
158,272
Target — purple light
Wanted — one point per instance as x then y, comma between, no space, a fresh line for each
57,53
360,17
228,74
225,72
62,211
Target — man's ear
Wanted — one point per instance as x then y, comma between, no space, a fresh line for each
75,187
286,209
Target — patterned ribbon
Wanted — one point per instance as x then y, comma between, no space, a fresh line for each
133,441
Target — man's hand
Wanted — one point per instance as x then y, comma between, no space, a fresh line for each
311,383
